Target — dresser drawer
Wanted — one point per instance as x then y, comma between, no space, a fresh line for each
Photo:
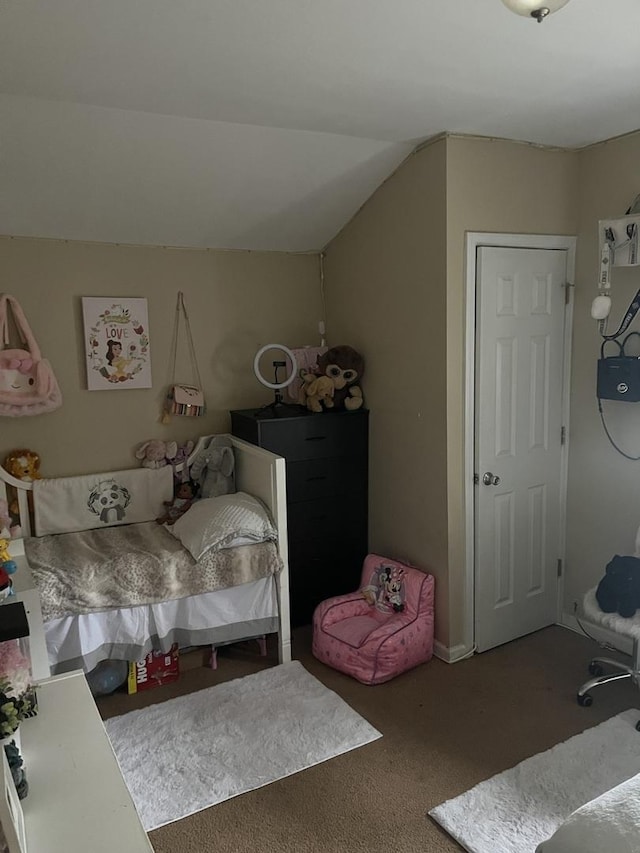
320,570
317,478
308,436
341,517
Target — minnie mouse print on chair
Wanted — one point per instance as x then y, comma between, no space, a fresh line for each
27,383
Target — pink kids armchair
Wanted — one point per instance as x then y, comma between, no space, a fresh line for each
382,629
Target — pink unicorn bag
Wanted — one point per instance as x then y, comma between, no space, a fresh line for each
27,383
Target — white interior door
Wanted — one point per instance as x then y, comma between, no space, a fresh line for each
520,308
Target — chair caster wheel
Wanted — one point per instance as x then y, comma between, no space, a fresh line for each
596,670
585,700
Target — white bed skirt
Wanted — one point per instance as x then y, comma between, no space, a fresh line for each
237,613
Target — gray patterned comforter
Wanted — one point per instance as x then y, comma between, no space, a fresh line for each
134,565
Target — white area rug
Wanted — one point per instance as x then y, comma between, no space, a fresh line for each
181,756
518,809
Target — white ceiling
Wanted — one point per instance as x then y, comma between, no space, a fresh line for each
265,124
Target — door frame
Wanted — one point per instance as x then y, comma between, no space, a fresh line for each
474,240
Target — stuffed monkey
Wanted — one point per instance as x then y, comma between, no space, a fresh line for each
345,367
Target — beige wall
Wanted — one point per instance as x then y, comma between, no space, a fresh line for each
604,487
504,187
396,289
237,301
385,279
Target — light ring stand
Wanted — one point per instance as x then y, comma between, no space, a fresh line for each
275,385
278,408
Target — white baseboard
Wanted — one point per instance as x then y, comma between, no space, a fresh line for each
601,635
451,654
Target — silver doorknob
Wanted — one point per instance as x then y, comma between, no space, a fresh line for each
490,479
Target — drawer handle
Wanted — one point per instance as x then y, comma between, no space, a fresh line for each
315,438
319,477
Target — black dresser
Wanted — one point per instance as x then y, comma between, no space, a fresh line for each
327,472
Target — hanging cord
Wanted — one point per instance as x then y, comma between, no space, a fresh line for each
173,353
322,323
608,434
192,349
630,313
173,356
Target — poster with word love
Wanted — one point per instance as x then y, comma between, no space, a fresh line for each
116,338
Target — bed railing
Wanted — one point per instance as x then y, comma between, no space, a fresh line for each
17,495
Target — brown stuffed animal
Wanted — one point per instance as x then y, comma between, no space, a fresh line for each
345,367
316,391
23,465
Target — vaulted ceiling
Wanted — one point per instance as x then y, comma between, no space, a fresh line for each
265,124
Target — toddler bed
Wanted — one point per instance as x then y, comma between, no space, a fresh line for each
116,592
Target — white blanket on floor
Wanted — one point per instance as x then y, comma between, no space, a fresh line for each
608,824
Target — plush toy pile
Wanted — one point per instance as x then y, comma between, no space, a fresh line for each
335,383
619,589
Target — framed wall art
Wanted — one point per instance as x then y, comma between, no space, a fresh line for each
116,339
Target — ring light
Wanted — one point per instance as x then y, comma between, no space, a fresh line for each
260,377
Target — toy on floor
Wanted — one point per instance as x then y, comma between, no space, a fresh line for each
184,497
107,676
156,453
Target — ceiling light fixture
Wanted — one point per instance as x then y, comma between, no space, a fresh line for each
538,9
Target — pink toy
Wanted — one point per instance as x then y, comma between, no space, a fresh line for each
382,629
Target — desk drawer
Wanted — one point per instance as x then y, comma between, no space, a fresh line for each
316,436
318,478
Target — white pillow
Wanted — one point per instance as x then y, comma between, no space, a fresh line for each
212,524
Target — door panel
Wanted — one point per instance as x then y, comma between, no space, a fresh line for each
519,368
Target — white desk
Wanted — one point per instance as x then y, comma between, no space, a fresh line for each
78,801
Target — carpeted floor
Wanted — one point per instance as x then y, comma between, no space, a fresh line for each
445,728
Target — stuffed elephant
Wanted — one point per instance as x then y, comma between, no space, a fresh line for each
213,468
